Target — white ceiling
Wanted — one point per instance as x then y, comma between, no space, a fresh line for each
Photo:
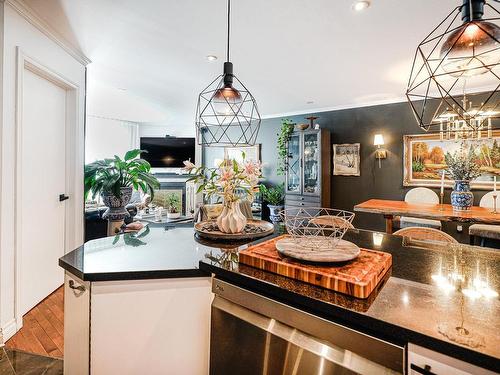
287,52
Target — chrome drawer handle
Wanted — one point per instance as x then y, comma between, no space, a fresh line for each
72,285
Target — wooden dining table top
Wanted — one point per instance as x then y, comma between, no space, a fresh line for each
442,212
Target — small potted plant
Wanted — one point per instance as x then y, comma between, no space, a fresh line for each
274,197
114,179
462,168
173,206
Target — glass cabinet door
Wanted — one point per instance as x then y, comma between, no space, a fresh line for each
311,163
293,175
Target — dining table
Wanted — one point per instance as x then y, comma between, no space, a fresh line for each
442,212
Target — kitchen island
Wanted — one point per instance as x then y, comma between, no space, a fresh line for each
149,295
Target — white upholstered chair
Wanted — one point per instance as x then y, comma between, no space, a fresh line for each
485,230
420,195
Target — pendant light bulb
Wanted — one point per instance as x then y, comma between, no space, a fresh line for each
226,101
470,50
473,48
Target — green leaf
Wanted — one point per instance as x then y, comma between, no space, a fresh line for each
132,154
200,189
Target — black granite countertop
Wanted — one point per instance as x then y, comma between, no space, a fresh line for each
169,251
414,303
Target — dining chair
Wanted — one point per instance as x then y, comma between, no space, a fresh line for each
419,195
485,231
425,234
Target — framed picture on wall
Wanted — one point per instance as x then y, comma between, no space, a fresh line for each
252,153
346,159
423,159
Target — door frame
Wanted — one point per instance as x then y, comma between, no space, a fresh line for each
24,61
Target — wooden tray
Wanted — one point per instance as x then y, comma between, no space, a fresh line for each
357,278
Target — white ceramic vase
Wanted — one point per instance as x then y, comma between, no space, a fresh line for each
231,220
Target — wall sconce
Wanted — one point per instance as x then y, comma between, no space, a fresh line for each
380,153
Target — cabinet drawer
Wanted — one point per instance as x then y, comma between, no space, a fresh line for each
299,204
302,198
425,361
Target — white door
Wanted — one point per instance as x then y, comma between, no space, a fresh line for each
43,178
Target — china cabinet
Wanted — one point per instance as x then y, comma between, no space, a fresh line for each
307,178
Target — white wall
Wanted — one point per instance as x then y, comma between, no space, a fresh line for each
105,138
154,131
19,32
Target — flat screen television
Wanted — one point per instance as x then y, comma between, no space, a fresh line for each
167,152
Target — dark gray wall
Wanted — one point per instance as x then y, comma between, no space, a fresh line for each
355,125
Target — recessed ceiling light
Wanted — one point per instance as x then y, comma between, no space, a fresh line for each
310,102
360,5
211,57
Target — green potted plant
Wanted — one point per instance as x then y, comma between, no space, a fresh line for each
462,168
274,196
284,135
173,206
114,180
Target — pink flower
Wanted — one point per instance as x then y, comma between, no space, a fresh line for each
188,166
227,174
252,168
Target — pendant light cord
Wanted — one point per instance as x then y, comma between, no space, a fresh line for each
228,27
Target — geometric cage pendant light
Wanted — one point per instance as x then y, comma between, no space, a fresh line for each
455,78
226,113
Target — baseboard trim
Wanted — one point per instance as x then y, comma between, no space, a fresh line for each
7,331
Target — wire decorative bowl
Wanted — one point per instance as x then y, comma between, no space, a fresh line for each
317,229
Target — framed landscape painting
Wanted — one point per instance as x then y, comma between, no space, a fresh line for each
424,159
346,159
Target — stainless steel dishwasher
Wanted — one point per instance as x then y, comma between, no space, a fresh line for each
252,334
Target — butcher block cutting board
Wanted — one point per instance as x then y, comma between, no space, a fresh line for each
357,278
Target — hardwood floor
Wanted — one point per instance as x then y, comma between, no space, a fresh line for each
43,328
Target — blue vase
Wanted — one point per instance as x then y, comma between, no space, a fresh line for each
461,196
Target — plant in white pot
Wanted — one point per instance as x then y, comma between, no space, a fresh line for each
114,180
274,196
232,181
463,168
173,206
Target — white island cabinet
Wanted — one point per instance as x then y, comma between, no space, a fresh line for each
137,304
155,326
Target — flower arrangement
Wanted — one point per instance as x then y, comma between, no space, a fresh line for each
462,165
230,180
